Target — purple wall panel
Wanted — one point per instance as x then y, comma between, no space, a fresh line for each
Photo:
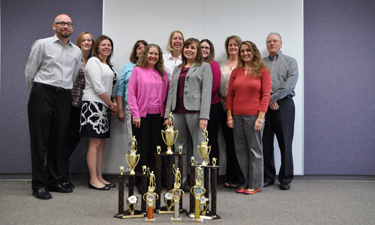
22,23
339,80
339,87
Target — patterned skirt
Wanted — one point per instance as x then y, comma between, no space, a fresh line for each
95,120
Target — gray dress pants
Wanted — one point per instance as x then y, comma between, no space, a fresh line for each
188,129
249,150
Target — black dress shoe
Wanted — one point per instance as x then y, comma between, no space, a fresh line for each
60,188
284,186
112,185
105,188
268,182
42,193
68,184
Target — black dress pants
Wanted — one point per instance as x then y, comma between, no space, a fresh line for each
48,113
71,140
148,137
281,123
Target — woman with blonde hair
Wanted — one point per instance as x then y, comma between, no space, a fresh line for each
233,171
148,88
85,42
174,48
247,103
98,104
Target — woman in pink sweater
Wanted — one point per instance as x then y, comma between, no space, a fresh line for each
247,103
148,89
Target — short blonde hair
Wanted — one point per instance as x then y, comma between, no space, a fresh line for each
169,44
238,39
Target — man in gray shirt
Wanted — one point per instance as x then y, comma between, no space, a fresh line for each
281,113
51,69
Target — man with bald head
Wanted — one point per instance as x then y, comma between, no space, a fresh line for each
280,115
51,69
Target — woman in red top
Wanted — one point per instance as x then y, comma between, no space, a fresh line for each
247,103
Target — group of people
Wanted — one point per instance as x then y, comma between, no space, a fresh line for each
75,90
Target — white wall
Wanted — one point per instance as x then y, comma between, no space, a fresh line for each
128,21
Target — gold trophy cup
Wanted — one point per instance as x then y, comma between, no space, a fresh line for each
170,135
203,149
132,159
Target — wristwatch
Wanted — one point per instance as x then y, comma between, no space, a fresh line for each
261,121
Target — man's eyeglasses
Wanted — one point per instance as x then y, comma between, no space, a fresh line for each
62,24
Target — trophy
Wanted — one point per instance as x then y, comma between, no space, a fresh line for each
121,170
180,149
198,191
158,149
203,149
177,194
132,204
205,202
214,160
132,159
193,162
150,197
170,135
168,201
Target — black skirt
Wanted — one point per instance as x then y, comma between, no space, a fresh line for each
95,120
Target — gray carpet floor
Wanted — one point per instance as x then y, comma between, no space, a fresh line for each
307,202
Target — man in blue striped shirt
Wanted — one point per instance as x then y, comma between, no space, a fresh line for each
280,115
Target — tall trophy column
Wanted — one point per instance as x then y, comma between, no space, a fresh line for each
132,159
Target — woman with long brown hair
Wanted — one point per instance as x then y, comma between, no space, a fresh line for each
247,103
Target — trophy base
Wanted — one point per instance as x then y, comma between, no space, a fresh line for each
127,215
150,220
198,220
206,217
176,220
164,210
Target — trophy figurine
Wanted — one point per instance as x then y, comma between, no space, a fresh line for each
132,203
198,191
132,159
203,149
177,194
170,135
150,197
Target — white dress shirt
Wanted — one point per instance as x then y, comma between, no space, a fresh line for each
170,64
